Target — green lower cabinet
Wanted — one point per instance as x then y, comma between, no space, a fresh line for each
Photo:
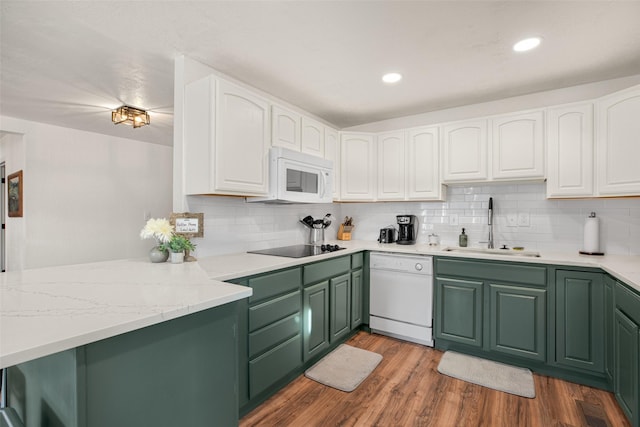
626,366
316,319
340,307
518,321
458,311
356,298
609,330
580,320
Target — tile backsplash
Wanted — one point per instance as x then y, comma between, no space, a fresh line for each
522,217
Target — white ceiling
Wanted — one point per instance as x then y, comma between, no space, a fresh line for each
69,63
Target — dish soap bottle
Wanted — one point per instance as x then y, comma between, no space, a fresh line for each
462,240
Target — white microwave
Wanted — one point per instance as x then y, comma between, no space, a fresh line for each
296,177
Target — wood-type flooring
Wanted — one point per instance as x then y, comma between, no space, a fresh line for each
407,390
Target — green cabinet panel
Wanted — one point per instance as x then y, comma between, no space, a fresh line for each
325,270
626,365
518,321
580,320
175,373
270,311
274,334
628,302
458,311
273,365
356,298
316,319
357,260
272,284
340,306
609,331
512,272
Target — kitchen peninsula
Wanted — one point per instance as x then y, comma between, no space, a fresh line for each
119,341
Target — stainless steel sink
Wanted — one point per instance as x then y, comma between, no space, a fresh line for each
483,251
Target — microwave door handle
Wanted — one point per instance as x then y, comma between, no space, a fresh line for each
323,185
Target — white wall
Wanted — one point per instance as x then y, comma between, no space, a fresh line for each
86,194
232,225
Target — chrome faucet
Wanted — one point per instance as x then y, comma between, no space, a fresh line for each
490,245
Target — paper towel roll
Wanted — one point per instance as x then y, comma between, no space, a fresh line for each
591,234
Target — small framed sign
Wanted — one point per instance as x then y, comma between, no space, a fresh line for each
15,194
188,224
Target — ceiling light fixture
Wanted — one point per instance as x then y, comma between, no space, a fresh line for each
391,78
527,44
130,116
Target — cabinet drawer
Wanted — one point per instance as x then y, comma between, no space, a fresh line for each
276,309
501,272
273,284
274,365
274,334
319,271
628,302
357,260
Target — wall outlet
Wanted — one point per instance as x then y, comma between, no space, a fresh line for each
453,219
523,219
512,220
147,215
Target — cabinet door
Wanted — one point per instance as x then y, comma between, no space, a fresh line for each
618,143
242,141
570,170
312,137
517,144
458,311
332,152
518,321
609,330
423,159
285,128
340,306
464,151
391,166
626,366
356,298
358,167
580,320
316,319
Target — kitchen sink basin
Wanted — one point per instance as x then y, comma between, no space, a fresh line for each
483,251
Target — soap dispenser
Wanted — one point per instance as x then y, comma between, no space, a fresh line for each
462,240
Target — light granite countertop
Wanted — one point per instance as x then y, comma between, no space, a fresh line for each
44,311
232,266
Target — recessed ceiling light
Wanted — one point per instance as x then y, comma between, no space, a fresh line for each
527,44
391,78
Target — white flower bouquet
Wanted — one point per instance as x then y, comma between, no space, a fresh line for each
160,229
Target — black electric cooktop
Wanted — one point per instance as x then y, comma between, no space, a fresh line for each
298,251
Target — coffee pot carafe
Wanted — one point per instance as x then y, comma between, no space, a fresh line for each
406,229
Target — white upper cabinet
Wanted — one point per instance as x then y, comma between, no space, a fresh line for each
423,160
312,137
358,167
226,140
464,151
517,144
392,154
285,128
570,148
332,152
241,141
618,143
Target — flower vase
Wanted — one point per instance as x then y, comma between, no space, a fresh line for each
158,255
177,257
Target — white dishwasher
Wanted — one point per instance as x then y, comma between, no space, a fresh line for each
401,298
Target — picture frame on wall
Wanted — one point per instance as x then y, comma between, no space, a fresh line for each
188,224
14,191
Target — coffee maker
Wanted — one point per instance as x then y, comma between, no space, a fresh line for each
407,229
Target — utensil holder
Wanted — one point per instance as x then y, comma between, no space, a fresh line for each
316,236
